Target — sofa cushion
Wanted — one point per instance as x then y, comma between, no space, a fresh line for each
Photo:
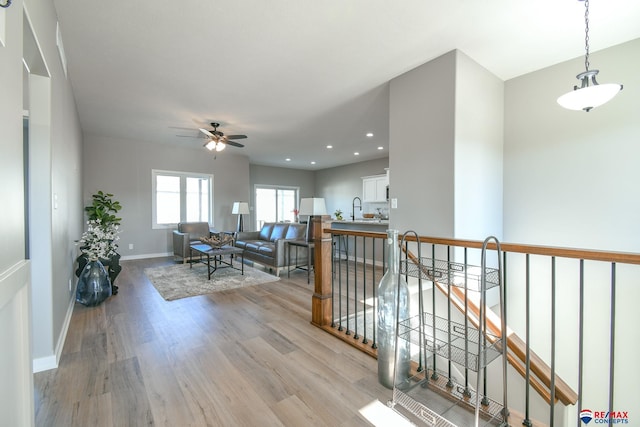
267,250
296,232
265,232
253,245
279,231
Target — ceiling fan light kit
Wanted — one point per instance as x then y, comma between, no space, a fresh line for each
218,140
590,94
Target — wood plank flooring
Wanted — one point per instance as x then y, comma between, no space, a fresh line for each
244,357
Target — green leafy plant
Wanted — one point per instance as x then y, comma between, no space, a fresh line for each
103,209
338,214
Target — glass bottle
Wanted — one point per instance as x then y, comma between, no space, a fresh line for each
94,285
391,286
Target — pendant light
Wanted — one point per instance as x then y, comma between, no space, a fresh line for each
590,94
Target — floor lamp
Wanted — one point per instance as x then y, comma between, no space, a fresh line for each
240,208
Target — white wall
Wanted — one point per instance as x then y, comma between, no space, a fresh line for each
16,387
479,111
571,179
60,176
123,167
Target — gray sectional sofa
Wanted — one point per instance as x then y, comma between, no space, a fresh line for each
268,246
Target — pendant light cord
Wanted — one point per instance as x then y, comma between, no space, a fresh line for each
586,34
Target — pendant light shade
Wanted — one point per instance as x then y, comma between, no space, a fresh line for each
590,94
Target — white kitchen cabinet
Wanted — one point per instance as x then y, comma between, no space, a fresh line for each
374,188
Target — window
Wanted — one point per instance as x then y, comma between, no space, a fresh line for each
275,204
180,197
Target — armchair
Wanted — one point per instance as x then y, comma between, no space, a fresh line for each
187,234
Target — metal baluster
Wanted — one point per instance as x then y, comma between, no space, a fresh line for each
466,392
340,240
434,375
580,342
527,420
375,296
333,282
613,335
364,290
348,331
449,325
355,286
553,341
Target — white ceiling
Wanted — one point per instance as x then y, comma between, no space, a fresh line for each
297,75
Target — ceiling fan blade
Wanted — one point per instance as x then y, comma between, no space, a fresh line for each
236,136
233,143
206,132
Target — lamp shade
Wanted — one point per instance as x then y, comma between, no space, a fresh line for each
240,208
313,206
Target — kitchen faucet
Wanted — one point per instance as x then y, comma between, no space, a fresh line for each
353,207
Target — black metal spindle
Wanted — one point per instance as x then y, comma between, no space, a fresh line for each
613,335
527,326
375,296
449,324
434,375
580,342
333,282
348,330
355,287
467,391
340,240
553,341
364,291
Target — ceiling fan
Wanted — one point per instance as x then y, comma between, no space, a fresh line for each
218,141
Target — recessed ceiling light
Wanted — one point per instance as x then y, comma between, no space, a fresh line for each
329,146
356,154
380,148
313,163
369,135
287,159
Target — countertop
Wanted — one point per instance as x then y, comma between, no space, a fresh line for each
362,221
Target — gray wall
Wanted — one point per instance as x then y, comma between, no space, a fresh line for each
421,159
123,167
341,184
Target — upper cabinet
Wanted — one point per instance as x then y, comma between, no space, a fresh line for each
374,188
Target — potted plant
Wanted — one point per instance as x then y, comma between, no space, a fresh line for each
101,235
338,214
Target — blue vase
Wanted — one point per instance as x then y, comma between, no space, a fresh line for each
94,285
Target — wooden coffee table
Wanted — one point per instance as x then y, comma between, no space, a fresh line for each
206,254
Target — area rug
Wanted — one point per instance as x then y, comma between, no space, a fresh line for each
179,281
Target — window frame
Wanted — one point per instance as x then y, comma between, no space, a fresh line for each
183,196
273,187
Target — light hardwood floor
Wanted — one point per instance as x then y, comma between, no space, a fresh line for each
245,357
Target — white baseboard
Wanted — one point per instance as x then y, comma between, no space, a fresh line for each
143,256
51,362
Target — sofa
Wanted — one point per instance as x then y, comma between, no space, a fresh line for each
188,233
268,246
